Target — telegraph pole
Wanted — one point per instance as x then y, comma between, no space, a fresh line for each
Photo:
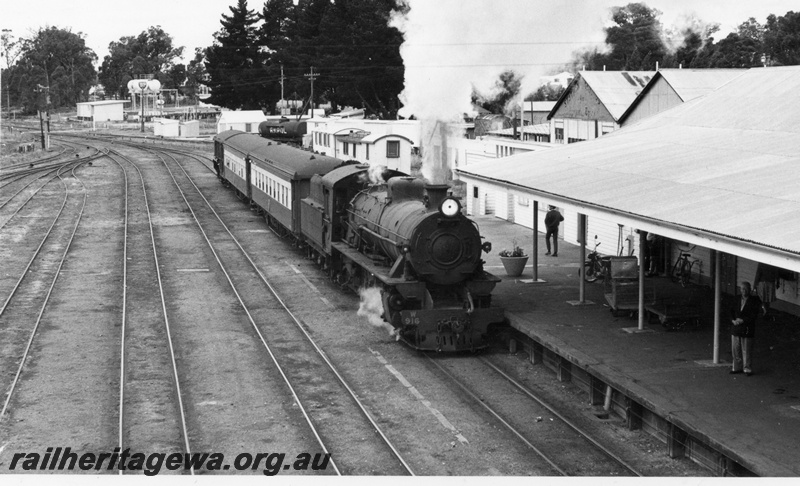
311,77
282,78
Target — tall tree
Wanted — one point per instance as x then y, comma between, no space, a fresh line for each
58,59
149,53
635,40
275,40
234,63
782,39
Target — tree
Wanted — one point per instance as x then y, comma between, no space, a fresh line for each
195,75
782,39
151,53
276,39
505,91
547,92
359,57
234,64
635,40
54,58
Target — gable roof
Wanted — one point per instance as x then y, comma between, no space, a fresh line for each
688,84
722,168
616,90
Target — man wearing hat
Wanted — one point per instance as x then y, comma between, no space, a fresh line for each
551,222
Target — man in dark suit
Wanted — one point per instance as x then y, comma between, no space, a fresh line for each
743,330
551,222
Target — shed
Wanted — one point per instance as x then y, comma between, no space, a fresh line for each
245,121
165,127
109,110
593,103
189,129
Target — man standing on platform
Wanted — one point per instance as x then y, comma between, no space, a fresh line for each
743,330
551,222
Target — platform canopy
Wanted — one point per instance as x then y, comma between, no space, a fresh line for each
721,171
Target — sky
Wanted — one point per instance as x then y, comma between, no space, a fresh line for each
451,45
192,23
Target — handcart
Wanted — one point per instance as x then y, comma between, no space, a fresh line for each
622,285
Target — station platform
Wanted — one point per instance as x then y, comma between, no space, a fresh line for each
749,424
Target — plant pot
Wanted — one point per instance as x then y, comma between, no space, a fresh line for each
514,265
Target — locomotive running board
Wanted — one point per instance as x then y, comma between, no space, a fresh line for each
380,272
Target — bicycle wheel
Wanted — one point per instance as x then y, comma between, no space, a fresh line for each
590,271
685,274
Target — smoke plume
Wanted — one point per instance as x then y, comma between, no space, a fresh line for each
454,46
371,308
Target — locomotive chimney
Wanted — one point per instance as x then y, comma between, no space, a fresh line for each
436,194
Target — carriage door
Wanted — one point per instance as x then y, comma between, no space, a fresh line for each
247,172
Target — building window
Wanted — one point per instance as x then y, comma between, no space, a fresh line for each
355,147
346,148
247,127
366,147
559,135
393,149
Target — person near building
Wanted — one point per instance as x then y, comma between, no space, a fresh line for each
743,327
765,284
551,221
653,242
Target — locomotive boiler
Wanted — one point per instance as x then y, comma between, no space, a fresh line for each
425,256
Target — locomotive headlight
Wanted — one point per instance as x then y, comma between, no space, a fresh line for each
449,207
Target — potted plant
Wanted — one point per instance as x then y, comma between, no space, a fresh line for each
514,260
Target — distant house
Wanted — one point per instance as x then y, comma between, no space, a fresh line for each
593,104
563,79
101,111
246,121
375,142
535,112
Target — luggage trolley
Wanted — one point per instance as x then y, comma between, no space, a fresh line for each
622,285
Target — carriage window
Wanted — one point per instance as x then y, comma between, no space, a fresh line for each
393,149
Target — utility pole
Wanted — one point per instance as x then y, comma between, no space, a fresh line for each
311,77
282,78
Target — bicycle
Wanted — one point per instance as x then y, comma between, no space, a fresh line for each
595,266
682,269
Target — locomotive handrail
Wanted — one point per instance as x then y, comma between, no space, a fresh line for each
387,240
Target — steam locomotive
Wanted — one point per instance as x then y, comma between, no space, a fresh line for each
373,227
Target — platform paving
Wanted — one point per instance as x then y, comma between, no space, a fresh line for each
753,420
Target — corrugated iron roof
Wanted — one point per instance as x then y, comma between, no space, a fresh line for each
693,83
616,90
688,84
727,163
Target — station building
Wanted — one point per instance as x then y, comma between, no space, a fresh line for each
715,176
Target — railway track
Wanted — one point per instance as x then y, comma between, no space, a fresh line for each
26,303
148,367
308,375
561,443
